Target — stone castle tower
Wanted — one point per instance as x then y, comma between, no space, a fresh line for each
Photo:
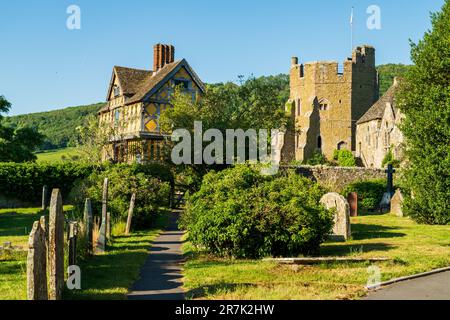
326,101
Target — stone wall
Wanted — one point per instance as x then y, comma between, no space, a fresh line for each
337,178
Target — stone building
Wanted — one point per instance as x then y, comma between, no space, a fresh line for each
135,101
326,101
378,131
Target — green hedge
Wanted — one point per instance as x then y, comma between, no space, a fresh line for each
370,192
239,213
24,181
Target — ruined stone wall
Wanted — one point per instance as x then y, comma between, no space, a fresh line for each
337,178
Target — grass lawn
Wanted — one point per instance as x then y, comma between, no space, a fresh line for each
106,276
414,248
15,226
57,155
110,276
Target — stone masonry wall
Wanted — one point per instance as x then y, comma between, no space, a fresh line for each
337,178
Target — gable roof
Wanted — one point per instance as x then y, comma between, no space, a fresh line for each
154,82
376,112
140,84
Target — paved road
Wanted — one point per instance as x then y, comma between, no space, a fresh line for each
433,287
160,277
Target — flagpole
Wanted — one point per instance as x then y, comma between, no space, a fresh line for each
351,31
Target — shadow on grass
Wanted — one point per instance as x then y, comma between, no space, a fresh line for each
214,289
346,250
371,231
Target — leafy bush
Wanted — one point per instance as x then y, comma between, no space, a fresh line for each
344,158
317,159
237,212
152,192
369,192
389,159
24,181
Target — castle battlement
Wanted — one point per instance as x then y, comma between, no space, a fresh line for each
328,98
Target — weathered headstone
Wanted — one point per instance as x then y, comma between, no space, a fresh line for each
341,229
44,198
88,224
352,199
108,225
385,203
101,241
56,246
37,264
397,203
130,213
105,199
72,238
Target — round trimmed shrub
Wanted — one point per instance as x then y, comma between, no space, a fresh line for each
239,213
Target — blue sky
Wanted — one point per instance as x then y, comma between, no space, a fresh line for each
45,66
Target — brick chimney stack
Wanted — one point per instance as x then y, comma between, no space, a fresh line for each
162,54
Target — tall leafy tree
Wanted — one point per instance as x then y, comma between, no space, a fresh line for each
17,144
425,101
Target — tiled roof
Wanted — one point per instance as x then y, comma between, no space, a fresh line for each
137,84
377,110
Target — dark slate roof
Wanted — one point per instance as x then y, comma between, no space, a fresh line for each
377,110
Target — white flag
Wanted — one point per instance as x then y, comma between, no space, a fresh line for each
351,17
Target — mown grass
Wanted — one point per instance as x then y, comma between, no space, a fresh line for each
15,226
58,155
413,248
109,276
105,276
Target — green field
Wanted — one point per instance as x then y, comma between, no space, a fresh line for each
59,155
413,249
106,276
15,226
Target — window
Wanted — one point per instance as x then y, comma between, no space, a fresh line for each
183,83
116,90
298,107
319,142
116,118
323,106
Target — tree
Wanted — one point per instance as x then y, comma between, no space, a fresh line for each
424,99
17,144
257,103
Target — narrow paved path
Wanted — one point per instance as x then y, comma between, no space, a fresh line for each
433,287
160,277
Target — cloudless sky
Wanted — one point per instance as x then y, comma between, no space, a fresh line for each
45,66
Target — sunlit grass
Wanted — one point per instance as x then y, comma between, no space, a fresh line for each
413,248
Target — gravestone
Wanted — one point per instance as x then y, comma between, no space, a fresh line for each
397,203
108,225
72,238
44,198
130,214
88,224
105,199
385,203
341,229
352,199
56,246
101,241
37,263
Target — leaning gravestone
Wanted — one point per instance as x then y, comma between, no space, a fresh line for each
341,229
101,241
37,263
88,224
56,246
397,203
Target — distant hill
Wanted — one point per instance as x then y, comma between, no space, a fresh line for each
387,73
58,126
